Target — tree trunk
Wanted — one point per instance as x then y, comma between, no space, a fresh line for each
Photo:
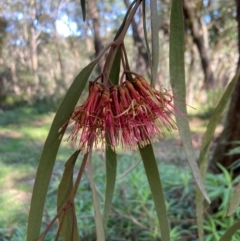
94,16
195,25
60,75
33,44
231,131
34,55
3,26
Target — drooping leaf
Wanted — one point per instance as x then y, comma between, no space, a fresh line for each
50,150
97,212
215,118
155,40
124,20
64,189
111,173
155,184
211,127
115,66
111,156
145,29
177,78
227,236
83,6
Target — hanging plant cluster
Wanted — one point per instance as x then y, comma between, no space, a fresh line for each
130,114
128,111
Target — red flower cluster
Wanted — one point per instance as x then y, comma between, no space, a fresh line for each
130,114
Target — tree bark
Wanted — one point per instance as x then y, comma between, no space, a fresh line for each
33,44
94,16
231,131
195,25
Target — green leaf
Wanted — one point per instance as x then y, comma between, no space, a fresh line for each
227,236
214,120
50,150
155,184
212,124
111,156
155,40
145,29
83,6
64,189
177,77
97,216
124,20
115,69
111,173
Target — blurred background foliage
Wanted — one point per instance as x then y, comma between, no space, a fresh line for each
44,44
132,216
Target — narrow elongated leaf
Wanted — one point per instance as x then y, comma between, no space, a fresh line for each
83,6
115,70
227,236
177,77
111,156
111,173
97,216
155,184
145,29
215,118
212,124
124,20
64,189
50,150
154,39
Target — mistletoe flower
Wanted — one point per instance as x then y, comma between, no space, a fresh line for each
159,102
86,123
148,111
131,114
121,107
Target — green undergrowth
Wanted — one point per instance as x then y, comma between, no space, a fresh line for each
22,135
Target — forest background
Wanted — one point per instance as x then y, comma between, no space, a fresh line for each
44,45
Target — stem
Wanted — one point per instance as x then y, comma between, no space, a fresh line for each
70,199
79,177
127,70
49,226
123,64
103,51
122,58
108,62
121,36
73,222
98,77
133,73
60,226
119,41
124,20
